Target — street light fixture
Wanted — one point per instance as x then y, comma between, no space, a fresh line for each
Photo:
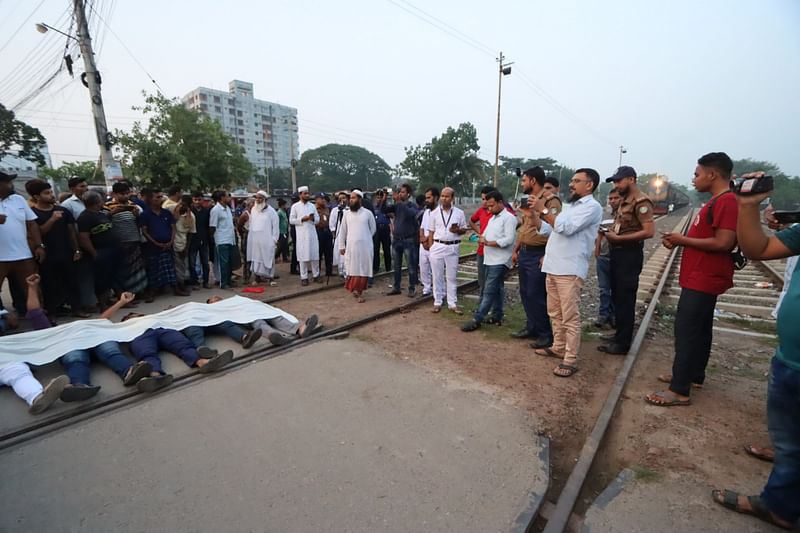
622,150
41,27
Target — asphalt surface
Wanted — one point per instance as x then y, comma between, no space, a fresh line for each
334,436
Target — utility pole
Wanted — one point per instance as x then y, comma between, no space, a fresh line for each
294,161
622,150
505,70
91,78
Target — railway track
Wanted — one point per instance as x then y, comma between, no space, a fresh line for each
90,409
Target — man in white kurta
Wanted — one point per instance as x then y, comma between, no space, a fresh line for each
262,237
304,217
355,244
337,215
446,225
425,272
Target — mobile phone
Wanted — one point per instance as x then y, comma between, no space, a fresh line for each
787,217
523,203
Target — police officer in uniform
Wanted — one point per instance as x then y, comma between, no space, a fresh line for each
633,224
528,255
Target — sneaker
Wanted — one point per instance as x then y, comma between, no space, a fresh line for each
310,325
154,383
140,370
472,325
276,339
250,339
49,395
79,392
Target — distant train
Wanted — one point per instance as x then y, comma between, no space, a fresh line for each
664,194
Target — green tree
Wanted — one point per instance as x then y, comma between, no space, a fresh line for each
450,159
20,139
181,146
342,166
87,170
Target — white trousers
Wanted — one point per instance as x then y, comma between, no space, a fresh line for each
444,266
18,376
425,274
304,268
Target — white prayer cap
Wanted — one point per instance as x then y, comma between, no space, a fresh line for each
359,193
302,189
262,193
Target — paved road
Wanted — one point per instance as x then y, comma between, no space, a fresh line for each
331,437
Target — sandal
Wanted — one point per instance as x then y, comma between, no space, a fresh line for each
760,452
730,500
436,309
565,370
667,378
666,399
547,352
456,310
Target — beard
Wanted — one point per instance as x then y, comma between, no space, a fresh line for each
574,197
355,206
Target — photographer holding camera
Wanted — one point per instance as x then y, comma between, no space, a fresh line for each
383,235
779,502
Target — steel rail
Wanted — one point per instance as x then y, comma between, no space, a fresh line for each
569,494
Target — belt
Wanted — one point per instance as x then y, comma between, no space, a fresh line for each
446,242
633,245
532,248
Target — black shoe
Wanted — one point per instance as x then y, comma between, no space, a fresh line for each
493,321
412,292
304,282
206,352
602,323
472,325
78,393
276,339
318,279
521,334
140,370
250,339
613,349
311,323
154,383
609,338
216,362
542,342
393,292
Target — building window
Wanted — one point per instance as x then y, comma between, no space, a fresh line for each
232,111
217,99
238,113
203,97
240,122
218,109
231,101
241,131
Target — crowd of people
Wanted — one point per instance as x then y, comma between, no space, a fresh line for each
87,247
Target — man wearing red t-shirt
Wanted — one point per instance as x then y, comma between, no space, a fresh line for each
706,272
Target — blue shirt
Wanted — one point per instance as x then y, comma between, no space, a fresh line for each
158,225
788,351
405,219
571,241
380,216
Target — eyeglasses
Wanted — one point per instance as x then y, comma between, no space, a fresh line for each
578,181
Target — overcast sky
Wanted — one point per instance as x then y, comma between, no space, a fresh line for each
668,80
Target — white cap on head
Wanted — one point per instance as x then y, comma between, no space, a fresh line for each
359,193
262,193
302,189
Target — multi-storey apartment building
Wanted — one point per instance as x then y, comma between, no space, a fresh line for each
267,131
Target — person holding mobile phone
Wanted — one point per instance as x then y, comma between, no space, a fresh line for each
446,226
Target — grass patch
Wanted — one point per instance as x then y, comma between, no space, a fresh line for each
513,319
646,474
467,247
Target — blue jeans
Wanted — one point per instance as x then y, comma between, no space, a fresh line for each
606,311
224,254
781,495
410,248
145,347
481,276
196,334
533,292
493,293
109,353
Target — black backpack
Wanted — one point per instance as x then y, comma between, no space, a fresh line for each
739,260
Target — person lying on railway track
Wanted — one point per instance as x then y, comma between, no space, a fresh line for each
706,271
779,501
18,375
566,263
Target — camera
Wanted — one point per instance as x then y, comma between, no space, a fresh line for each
748,186
523,202
787,217
518,172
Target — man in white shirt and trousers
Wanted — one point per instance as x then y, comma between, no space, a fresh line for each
566,262
337,215
304,217
262,238
425,271
355,244
498,246
446,226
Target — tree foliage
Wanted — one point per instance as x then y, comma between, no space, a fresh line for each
87,170
450,159
342,166
19,139
181,146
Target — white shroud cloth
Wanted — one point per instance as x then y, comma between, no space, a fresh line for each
45,345
357,229
306,242
262,239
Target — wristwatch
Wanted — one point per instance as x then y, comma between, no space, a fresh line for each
40,245
545,211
